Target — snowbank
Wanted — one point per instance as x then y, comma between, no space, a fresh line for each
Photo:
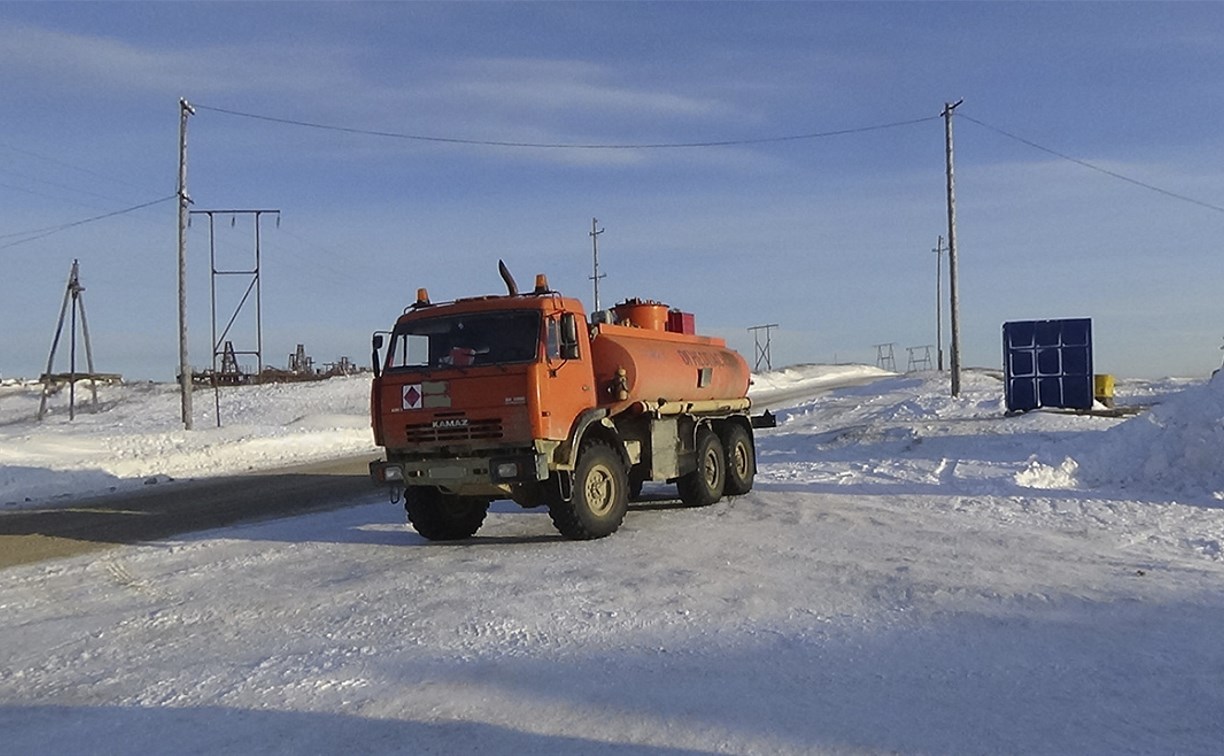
780,388
1176,446
134,435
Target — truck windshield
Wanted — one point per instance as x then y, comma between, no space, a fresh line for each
497,338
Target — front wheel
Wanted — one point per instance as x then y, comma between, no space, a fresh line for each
600,495
444,517
704,486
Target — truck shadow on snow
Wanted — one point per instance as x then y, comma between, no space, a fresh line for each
530,526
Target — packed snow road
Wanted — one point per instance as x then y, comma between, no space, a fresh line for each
37,533
911,574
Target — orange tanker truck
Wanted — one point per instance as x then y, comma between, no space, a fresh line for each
519,397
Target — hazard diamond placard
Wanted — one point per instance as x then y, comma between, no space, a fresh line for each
413,396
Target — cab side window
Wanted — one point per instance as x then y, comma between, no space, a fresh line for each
554,339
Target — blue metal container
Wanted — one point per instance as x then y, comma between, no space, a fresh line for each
1048,363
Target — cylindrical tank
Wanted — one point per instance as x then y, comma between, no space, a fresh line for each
660,365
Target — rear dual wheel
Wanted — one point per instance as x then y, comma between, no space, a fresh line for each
741,459
704,485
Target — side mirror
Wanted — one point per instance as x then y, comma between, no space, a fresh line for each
569,336
377,344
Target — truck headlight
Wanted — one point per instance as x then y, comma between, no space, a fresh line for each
506,470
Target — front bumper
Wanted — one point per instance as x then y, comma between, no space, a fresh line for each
460,473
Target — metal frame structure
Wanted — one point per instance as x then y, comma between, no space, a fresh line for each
885,357
760,351
919,358
222,346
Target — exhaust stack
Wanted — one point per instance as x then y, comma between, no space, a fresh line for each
511,286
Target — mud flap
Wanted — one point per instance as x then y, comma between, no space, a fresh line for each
764,420
562,484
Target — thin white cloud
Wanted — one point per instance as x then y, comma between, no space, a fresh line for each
49,54
77,63
527,100
81,62
567,85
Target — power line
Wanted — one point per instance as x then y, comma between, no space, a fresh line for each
563,145
48,182
40,233
37,193
1097,168
65,164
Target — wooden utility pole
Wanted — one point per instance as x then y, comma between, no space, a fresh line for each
939,301
184,200
952,287
595,232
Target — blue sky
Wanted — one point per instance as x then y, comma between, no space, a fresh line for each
829,237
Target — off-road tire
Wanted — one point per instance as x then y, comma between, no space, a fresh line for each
444,517
741,459
600,495
704,486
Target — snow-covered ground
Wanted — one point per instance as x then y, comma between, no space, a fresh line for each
134,435
912,573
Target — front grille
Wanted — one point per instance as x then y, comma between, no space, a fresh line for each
489,429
